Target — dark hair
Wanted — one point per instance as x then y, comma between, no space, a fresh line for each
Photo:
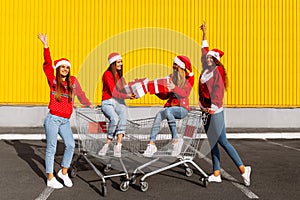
60,86
217,63
113,69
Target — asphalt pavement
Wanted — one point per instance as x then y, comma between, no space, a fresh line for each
275,164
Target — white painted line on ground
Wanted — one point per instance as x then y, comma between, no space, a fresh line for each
280,135
234,182
45,194
282,145
27,136
167,136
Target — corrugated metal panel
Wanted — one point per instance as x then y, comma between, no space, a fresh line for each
259,37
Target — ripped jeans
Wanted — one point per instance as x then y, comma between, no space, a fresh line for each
169,113
116,111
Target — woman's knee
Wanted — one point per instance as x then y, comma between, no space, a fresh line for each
51,149
70,145
169,115
114,120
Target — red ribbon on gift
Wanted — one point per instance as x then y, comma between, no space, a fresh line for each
158,85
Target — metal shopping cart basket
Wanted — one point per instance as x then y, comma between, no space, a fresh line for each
187,129
91,125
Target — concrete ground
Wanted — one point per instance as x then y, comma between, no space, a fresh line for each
275,164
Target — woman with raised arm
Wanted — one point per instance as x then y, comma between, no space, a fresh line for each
63,89
212,85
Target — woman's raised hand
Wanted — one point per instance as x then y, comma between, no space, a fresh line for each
43,38
203,27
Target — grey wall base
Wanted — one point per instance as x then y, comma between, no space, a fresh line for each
33,116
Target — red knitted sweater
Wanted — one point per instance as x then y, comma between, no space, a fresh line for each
63,108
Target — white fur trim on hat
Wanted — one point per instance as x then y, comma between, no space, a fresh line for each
179,62
191,74
213,54
62,62
114,59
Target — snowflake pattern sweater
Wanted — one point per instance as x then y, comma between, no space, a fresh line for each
64,108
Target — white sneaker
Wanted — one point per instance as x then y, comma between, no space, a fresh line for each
151,149
117,150
53,183
177,147
104,150
65,178
246,176
213,178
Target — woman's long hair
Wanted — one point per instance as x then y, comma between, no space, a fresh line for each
178,78
60,86
113,69
217,63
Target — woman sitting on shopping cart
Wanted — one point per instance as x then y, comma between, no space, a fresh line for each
113,104
177,106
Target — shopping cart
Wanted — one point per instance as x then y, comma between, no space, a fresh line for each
91,125
188,130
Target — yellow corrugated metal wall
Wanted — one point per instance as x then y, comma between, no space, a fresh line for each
260,39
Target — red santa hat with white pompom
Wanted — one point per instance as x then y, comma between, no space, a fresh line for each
113,57
184,63
62,61
215,53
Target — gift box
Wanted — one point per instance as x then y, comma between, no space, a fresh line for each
139,87
97,127
159,85
189,131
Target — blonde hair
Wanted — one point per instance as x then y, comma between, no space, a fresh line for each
180,79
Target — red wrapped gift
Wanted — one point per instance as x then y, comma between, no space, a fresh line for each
137,87
159,85
189,131
97,127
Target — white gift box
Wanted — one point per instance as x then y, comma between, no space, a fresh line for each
139,87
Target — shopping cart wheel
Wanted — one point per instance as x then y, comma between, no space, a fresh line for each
144,186
188,172
73,172
124,186
133,180
107,168
104,189
204,181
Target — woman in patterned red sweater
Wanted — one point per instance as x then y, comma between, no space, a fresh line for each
212,85
63,88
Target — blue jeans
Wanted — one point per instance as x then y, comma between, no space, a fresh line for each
216,134
116,111
55,125
169,113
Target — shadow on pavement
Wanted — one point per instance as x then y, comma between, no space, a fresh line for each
27,152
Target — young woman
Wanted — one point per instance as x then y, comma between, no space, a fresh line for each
113,105
212,85
177,106
63,88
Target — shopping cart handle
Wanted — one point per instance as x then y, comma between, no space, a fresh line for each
195,108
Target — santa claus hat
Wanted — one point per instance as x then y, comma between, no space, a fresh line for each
184,63
113,57
215,53
62,61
